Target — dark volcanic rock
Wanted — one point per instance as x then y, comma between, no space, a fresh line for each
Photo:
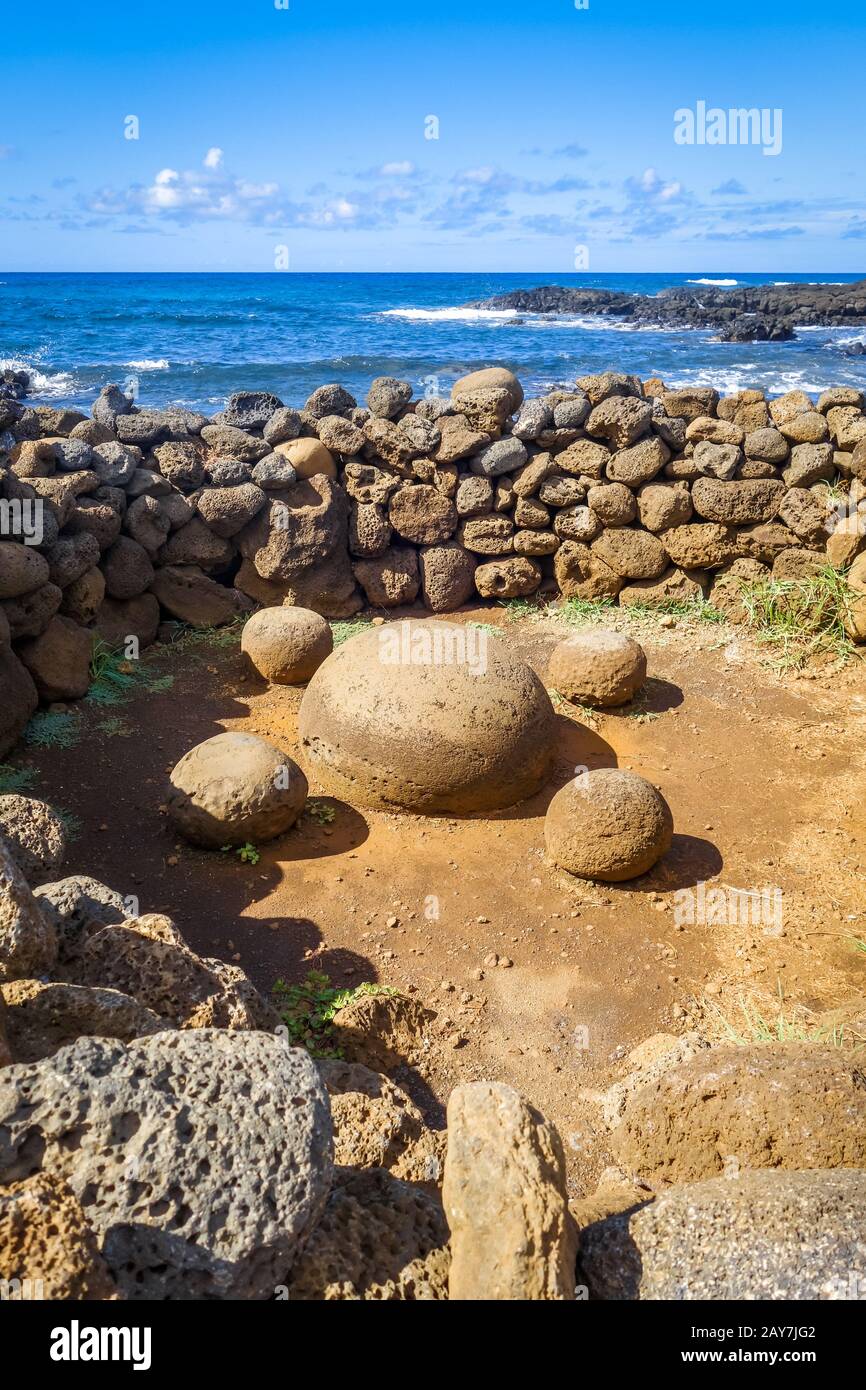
747,313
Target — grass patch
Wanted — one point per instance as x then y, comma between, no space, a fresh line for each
48,729
15,779
522,609
753,1027
320,812
114,679
578,611
490,628
114,727
183,639
344,628
698,609
799,620
72,824
308,1010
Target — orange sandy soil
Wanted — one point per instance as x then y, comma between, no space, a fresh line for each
765,778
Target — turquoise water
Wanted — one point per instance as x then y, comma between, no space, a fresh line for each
192,339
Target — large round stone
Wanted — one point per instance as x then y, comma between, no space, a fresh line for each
308,457
608,825
597,668
286,645
235,789
430,716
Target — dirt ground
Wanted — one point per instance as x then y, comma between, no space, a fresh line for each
765,777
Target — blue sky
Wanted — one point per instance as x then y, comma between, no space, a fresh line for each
304,128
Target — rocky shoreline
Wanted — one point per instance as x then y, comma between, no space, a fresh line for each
750,313
614,488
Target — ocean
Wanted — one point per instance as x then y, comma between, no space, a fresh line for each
192,339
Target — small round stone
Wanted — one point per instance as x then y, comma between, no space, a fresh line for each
286,645
430,716
597,668
608,825
235,789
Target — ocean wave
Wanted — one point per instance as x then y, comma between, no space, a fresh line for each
712,282
49,384
452,314
747,376
149,364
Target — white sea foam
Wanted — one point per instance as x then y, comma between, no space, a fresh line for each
747,376
149,364
451,314
41,383
712,282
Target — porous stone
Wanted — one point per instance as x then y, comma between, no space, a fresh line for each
512,1236
422,514
189,595
286,645
233,789
502,456
226,510
447,576
48,1250
780,1106
308,457
699,545
766,444
127,568
28,943
640,463
250,410
43,1017
661,505
809,463
376,1125
22,569
487,721
157,1139
391,579
332,399
20,699
509,577
35,834
59,660
780,1236
387,396
609,825
613,503
631,553
674,586
620,419
581,573
70,905
378,1239
596,667
737,503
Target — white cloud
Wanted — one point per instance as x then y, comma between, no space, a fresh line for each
214,158
402,168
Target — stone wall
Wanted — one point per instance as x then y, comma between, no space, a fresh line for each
615,488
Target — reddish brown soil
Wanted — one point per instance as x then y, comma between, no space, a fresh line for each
765,778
